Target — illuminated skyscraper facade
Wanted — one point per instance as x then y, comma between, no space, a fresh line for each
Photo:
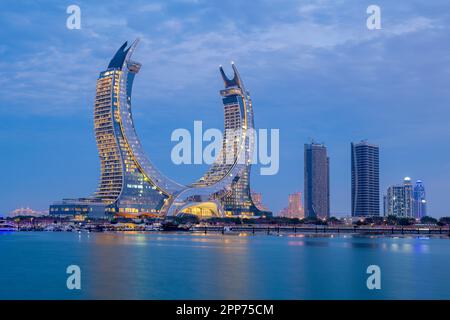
406,200
407,185
399,200
131,185
420,201
258,201
225,188
294,208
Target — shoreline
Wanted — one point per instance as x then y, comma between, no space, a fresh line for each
249,231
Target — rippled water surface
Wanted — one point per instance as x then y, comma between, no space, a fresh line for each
215,266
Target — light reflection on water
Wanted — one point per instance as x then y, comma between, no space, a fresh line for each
137,265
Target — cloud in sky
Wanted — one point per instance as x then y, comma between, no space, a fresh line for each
299,43
312,66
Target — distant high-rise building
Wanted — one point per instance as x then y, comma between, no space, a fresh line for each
365,179
294,208
295,205
399,200
28,212
420,202
394,201
257,200
407,185
317,181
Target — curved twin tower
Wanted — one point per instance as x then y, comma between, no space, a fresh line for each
130,185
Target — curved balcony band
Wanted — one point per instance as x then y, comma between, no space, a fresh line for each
233,159
129,69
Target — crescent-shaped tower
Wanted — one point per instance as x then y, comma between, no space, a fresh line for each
224,190
130,185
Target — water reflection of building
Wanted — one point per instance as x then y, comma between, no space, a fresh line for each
294,208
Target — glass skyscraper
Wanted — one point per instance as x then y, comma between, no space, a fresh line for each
420,202
399,200
365,168
130,185
225,188
316,181
294,208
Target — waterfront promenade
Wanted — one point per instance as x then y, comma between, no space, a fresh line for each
220,227
258,229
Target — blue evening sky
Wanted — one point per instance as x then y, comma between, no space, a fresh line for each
313,69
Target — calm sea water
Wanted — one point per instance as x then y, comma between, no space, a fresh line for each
215,266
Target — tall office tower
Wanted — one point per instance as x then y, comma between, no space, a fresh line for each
420,202
395,201
399,200
365,179
407,185
317,181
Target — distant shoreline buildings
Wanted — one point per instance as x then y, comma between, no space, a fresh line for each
20,212
420,201
404,200
294,208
